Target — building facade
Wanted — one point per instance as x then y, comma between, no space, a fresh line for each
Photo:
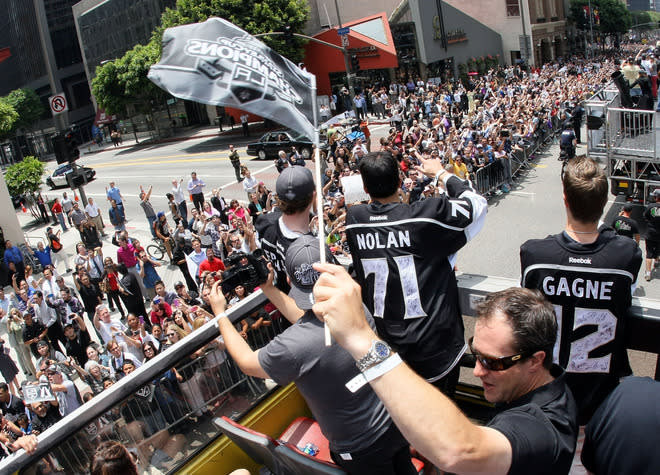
31,57
533,30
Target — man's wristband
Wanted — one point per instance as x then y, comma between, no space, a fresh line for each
374,372
221,315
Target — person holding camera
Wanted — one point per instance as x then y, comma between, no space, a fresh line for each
362,437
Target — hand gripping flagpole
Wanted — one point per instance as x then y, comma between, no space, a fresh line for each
319,194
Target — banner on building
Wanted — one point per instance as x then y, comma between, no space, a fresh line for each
218,63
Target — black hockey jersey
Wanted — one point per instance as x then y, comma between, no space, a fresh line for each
275,240
404,256
590,287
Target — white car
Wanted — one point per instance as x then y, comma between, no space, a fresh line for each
57,179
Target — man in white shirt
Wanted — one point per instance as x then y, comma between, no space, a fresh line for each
180,200
94,214
104,324
196,257
47,316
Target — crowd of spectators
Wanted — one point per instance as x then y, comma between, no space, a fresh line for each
469,126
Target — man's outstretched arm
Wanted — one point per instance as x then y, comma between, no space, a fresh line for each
436,428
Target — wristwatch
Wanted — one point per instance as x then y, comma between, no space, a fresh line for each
378,352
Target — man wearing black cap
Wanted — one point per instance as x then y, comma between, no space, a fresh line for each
362,436
278,229
624,225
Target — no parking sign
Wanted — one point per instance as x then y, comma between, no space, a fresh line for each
58,103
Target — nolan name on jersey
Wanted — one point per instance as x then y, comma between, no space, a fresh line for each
388,240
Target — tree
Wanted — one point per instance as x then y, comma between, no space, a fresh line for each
124,81
27,104
643,19
8,117
25,176
614,16
253,16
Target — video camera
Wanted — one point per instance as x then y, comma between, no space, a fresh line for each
248,270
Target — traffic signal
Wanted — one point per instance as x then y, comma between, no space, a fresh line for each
355,63
288,35
65,147
59,148
71,147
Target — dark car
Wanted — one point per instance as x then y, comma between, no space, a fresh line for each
271,143
58,178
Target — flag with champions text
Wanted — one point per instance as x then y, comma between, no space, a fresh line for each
217,63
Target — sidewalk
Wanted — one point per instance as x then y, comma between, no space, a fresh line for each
180,134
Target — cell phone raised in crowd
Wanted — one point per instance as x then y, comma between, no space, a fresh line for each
141,318
176,302
194,308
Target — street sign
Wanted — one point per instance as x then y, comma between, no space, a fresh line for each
58,103
343,31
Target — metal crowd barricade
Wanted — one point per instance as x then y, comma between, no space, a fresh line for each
491,177
631,132
154,412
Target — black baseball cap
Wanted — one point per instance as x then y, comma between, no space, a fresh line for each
294,183
628,207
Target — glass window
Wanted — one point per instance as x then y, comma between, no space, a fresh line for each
512,7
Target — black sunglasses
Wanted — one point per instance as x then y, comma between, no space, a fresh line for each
496,363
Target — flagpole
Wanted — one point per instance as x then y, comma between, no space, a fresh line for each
319,191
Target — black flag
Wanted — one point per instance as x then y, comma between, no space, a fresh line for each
217,63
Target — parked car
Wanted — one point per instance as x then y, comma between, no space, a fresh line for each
271,143
57,179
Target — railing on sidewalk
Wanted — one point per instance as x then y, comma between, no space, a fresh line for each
167,420
494,175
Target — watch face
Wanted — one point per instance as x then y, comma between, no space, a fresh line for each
381,349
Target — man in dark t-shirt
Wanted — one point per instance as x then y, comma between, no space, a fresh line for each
33,332
10,405
535,430
624,225
621,438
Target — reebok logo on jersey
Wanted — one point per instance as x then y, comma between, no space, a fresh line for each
377,218
579,260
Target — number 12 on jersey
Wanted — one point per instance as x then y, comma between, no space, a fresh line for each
578,356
